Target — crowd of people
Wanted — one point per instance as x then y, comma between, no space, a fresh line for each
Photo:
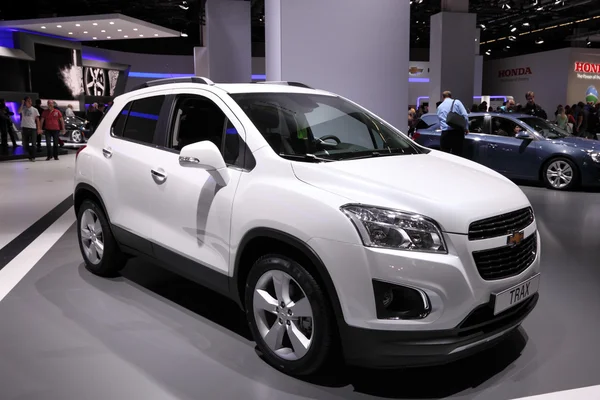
581,119
39,122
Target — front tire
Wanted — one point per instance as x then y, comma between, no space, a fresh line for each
560,174
76,136
289,315
98,247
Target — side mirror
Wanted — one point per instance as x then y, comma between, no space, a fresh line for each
524,135
207,156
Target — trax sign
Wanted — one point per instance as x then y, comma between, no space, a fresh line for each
586,70
514,72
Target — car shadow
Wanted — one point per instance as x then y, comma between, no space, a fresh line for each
412,383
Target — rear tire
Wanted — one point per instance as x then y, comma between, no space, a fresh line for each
289,315
560,174
98,246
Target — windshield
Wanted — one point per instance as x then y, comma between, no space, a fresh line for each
320,128
545,128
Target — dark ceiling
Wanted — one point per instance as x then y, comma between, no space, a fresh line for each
558,23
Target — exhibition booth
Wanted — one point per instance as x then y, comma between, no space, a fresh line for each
565,76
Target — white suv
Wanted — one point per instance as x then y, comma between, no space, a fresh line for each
329,227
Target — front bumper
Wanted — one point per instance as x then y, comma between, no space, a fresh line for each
461,319
394,349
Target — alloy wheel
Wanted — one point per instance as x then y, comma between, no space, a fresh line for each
92,237
283,315
76,136
560,174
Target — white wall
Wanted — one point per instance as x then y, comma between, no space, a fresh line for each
143,62
543,73
356,48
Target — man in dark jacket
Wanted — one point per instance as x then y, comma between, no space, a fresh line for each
532,108
6,127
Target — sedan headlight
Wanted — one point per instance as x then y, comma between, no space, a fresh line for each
384,228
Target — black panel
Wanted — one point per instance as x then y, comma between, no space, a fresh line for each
51,72
132,242
14,75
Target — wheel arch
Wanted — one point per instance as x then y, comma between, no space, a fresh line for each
84,191
260,241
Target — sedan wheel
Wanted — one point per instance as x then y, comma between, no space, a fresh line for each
560,174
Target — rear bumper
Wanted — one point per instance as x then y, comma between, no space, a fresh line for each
394,349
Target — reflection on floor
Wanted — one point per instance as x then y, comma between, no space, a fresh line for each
149,334
11,153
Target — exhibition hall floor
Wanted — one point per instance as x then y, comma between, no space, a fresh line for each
66,334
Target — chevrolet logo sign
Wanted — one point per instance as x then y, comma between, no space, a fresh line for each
415,70
515,238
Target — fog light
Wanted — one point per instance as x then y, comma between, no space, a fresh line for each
400,302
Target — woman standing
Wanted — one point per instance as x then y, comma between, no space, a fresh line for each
561,118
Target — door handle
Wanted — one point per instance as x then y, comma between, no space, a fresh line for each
107,152
158,175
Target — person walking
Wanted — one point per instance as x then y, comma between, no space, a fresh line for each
31,127
52,120
454,122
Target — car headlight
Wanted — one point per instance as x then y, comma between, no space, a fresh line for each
385,228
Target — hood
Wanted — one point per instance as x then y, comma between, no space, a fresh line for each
579,142
451,190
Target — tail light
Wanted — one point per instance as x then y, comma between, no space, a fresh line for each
416,135
79,151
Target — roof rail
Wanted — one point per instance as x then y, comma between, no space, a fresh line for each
165,81
288,83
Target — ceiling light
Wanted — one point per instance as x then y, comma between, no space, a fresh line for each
94,38
119,30
512,38
507,46
539,41
102,31
95,24
156,34
70,33
183,34
525,23
43,27
489,52
112,23
141,35
84,31
513,28
108,37
59,26
184,5
125,36
483,26
77,24
135,29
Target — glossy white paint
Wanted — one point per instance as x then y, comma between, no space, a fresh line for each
193,215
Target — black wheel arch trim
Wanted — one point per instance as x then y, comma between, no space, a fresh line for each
299,245
87,187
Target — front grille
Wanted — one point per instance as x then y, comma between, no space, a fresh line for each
499,225
507,261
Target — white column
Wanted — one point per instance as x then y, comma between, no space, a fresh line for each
356,48
228,42
452,56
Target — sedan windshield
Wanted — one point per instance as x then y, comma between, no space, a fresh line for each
545,128
321,128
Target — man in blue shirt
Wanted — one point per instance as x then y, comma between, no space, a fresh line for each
452,140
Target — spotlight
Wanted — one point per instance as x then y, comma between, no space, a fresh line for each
125,36
43,27
526,24
95,24
482,26
70,33
513,28
112,23
119,30
85,32
539,41
183,34
141,35
108,37
488,52
103,31
184,5
77,24
588,42
59,26
156,34
135,29
94,38
512,38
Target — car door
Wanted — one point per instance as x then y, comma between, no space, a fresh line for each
128,153
475,147
509,155
192,213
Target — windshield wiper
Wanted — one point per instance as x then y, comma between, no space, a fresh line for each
306,157
379,153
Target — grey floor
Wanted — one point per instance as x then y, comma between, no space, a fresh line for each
65,334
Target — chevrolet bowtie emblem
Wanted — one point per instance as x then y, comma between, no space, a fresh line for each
515,238
415,70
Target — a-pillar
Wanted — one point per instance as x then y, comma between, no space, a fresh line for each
356,48
227,53
451,52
